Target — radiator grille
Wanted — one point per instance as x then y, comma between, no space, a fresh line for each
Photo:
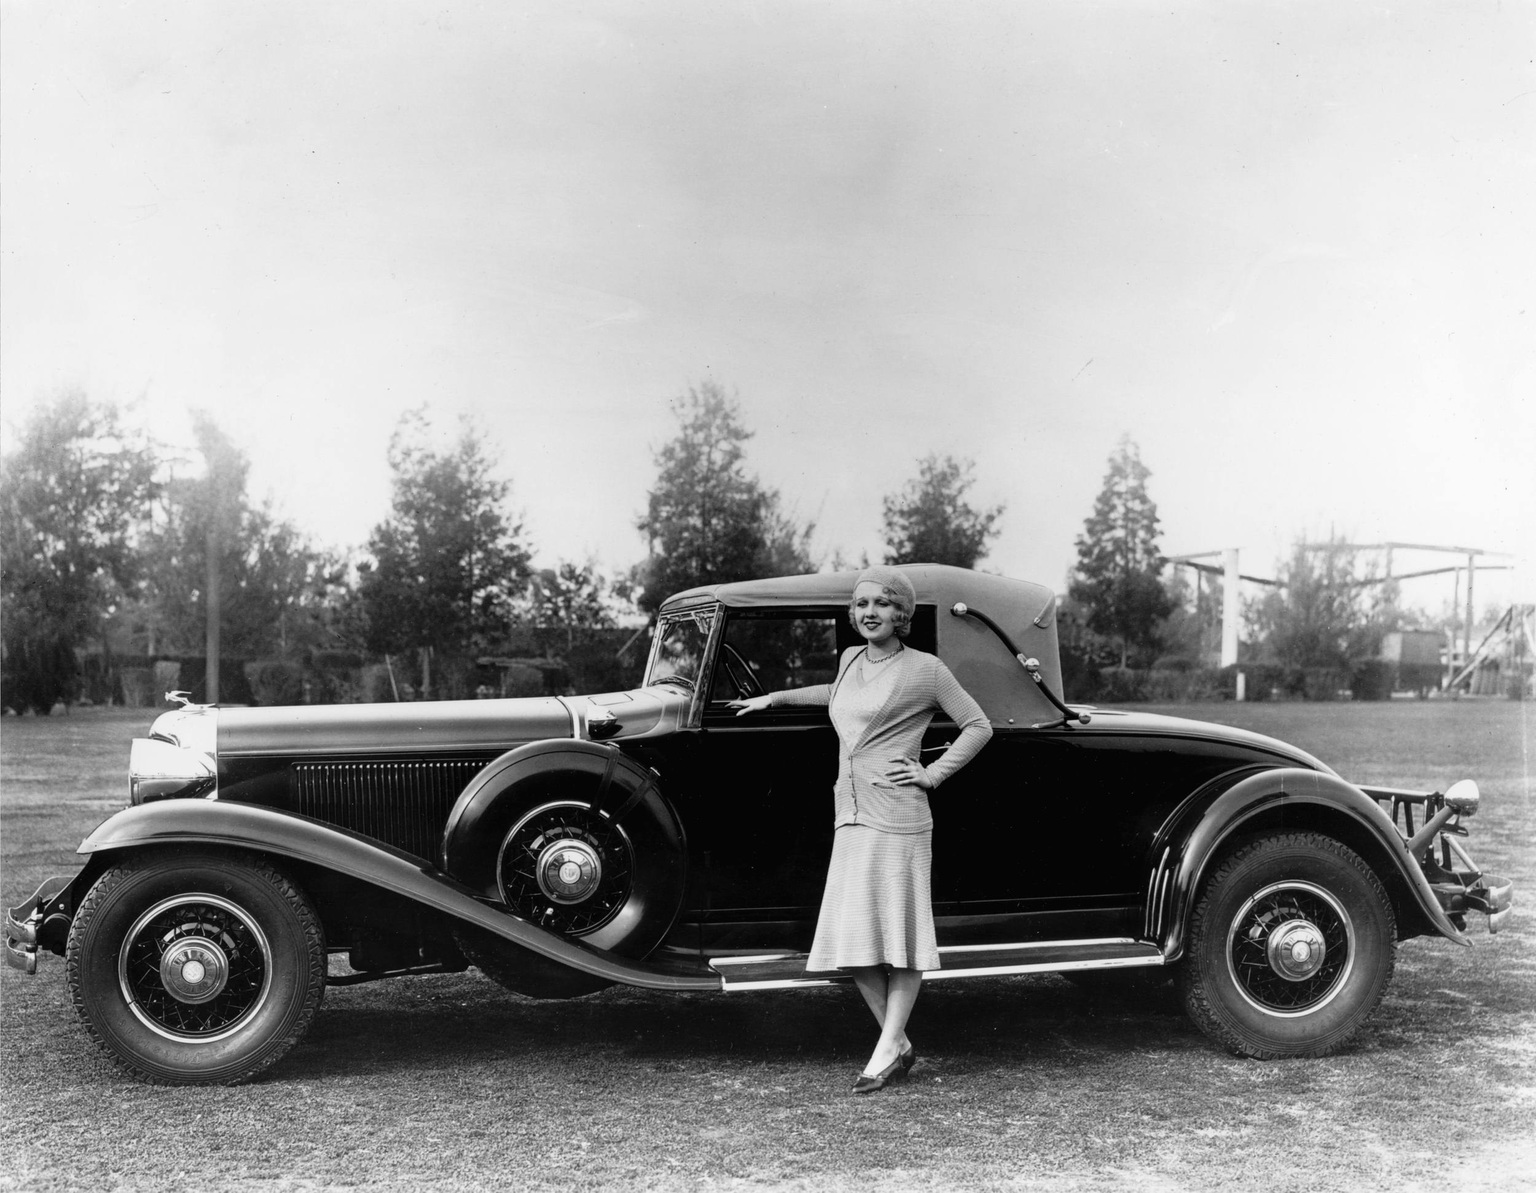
405,804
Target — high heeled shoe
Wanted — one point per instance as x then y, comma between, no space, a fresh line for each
868,1084
908,1059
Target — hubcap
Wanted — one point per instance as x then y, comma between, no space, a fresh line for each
565,867
1296,950
1290,948
194,970
569,871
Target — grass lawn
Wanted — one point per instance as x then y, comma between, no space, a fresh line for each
1024,1083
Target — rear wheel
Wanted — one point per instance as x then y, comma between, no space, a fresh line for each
1291,947
195,968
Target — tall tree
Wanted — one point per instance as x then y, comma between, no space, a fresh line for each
707,520
930,521
275,592
1119,568
73,496
449,563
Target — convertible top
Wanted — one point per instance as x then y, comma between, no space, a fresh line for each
1026,612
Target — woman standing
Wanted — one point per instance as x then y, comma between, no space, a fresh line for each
877,912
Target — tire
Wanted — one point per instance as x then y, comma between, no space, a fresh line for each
1255,979
574,838
523,972
195,967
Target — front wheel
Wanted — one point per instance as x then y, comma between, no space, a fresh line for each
195,968
1291,947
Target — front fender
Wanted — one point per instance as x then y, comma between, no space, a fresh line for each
247,826
1192,837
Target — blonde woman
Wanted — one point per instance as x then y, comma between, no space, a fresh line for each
876,918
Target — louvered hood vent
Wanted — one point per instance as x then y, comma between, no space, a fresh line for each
404,804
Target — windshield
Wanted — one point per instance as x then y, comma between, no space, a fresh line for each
681,639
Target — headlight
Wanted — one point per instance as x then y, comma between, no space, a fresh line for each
159,770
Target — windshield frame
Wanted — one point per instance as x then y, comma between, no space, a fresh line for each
713,612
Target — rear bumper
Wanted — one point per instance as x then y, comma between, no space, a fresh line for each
40,922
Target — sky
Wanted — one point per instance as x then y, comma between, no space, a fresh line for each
1289,249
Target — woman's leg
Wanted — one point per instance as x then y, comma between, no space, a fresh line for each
901,990
874,986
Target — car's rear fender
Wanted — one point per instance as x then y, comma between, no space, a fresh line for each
229,825
1237,806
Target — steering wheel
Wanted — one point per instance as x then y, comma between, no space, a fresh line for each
740,673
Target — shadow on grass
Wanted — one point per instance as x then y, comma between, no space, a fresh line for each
464,1020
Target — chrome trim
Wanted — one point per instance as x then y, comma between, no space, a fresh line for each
168,769
570,711
191,899
195,728
1461,855
939,975
1349,943
1036,944
21,956
759,959
783,984
935,975
1463,797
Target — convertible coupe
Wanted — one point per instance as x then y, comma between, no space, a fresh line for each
653,838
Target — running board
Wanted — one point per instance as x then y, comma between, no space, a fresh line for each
782,971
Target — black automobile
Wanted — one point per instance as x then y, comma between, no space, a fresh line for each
652,838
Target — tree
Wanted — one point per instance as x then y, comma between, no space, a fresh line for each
73,496
930,521
1318,616
274,591
448,565
573,600
1118,575
706,520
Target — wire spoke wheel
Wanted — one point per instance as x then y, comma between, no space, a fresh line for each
1291,945
1290,948
182,986
566,868
195,967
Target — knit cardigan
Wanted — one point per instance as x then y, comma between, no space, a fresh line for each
862,793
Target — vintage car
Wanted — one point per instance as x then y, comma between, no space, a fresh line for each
652,837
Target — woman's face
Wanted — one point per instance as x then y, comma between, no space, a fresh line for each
874,613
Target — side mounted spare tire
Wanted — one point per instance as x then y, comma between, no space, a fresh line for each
574,837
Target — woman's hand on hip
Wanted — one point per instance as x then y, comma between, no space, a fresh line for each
755,704
908,774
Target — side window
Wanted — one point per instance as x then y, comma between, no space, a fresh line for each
765,652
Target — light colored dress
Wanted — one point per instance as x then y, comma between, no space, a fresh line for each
877,908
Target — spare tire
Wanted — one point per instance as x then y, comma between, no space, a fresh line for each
573,837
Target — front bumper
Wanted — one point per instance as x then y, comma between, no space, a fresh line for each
1486,893
41,921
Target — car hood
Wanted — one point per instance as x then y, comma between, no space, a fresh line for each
445,725
1118,721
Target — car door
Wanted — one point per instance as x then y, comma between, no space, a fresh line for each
760,786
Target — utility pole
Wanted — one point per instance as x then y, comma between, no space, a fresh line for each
1229,608
211,608
1466,629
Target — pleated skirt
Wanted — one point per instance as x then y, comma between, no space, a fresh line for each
878,905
